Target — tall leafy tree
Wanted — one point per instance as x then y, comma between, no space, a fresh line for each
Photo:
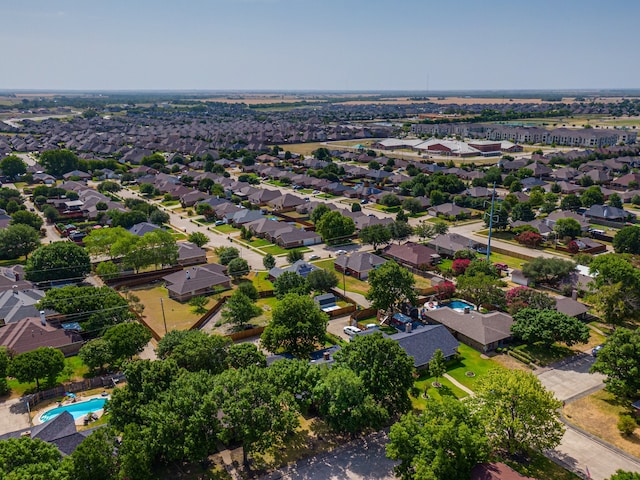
297,326
95,458
269,261
18,240
400,230
200,351
375,235
334,226
13,166
567,227
59,162
384,367
58,261
199,238
444,442
4,369
239,309
481,289
548,270
238,267
254,411
437,365
95,354
518,413
244,355
390,285
619,360
344,403
318,212
30,458
627,240
322,280
290,282
127,339
43,362
23,217
548,326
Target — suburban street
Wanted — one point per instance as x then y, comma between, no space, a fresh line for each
580,452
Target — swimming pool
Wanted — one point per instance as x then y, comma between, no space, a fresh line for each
77,410
457,305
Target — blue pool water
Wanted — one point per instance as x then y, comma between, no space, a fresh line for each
457,305
77,410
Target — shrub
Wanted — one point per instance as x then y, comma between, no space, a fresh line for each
529,239
460,266
627,425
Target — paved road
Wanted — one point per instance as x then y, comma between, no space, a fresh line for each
362,459
577,451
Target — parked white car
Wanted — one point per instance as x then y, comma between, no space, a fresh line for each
351,331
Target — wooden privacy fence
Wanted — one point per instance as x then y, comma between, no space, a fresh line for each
73,387
134,279
210,313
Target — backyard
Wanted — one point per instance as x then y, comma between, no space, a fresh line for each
74,369
178,315
349,283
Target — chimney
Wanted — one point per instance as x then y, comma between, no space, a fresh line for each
43,319
188,275
407,327
574,294
326,356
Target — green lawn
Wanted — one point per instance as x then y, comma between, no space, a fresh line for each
425,380
278,250
543,356
469,361
262,282
258,242
170,203
352,284
226,228
74,369
541,467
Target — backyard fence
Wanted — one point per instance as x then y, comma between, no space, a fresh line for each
73,387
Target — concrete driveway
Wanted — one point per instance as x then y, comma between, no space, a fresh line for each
362,459
336,325
572,378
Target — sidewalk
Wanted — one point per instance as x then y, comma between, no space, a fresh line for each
458,384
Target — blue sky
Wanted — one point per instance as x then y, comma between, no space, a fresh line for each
319,44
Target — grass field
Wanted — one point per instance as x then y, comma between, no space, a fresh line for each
226,229
470,361
261,281
74,369
352,284
598,414
179,315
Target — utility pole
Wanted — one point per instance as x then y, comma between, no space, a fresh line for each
164,319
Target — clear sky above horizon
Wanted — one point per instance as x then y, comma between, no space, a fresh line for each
319,44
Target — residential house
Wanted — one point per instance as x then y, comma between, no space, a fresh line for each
77,174
195,281
31,333
189,199
285,203
141,228
300,267
606,213
13,277
448,210
421,343
190,254
447,245
483,331
296,237
358,264
242,217
17,304
263,196
571,307
496,471
626,181
413,254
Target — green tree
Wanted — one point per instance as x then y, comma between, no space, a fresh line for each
389,286
96,354
570,202
437,365
226,254
412,205
322,280
615,201
627,240
619,360
58,261
4,369
547,327
269,261
29,458
297,326
197,351
238,267
22,217
424,229
294,255
481,289
592,196
401,216
548,270
518,413
444,442
400,230
343,402
333,226
127,339
250,290
239,309
93,307
524,297
95,458
500,217
147,189
244,355
567,227
13,166
375,235
50,213
18,240
355,207
384,367
109,186
522,212
43,362
198,238
390,200
622,475
290,282
318,212
59,162
253,410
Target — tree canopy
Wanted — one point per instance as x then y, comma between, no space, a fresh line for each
481,289
548,270
390,285
619,360
297,326
518,413
13,166
290,282
375,235
18,240
627,240
333,226
548,326
43,362
239,309
59,162
58,261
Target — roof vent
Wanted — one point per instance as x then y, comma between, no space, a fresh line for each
188,275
